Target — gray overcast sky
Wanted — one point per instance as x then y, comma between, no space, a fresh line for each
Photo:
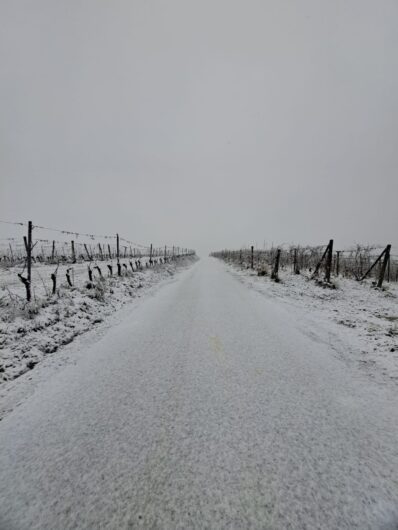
209,123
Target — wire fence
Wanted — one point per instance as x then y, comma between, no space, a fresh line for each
30,259
75,246
359,262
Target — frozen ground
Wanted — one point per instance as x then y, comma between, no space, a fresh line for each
359,322
30,332
209,405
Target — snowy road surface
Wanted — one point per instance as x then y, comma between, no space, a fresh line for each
207,407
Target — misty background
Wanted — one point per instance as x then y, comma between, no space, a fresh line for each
207,124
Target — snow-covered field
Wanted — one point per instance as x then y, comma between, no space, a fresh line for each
358,321
11,286
28,332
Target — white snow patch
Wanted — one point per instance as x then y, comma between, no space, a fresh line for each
357,320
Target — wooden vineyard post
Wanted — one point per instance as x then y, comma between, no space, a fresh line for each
119,268
252,258
318,265
338,262
274,275
100,251
53,252
29,261
11,253
381,273
150,255
87,252
73,252
384,266
295,264
109,251
329,257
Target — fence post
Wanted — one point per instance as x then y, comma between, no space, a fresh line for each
384,266
329,258
252,258
29,260
53,252
73,251
318,265
295,264
11,252
87,252
119,268
274,275
388,248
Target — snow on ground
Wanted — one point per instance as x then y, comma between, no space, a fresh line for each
12,288
28,332
361,322
207,406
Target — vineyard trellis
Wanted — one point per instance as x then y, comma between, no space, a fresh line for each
359,263
76,248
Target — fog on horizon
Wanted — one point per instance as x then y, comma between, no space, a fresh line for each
206,124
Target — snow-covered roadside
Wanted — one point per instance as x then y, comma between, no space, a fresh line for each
41,328
358,321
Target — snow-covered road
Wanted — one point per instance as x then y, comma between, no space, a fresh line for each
207,407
